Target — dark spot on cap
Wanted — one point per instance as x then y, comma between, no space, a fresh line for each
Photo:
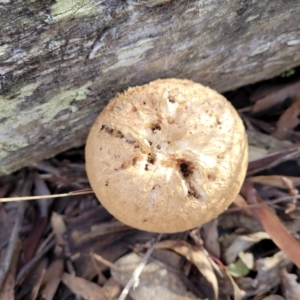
155,126
129,141
134,161
193,194
151,158
185,169
171,99
211,177
109,130
119,134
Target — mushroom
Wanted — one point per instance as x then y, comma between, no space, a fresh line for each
167,156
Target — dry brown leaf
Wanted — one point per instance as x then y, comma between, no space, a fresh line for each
289,185
59,228
7,291
4,189
276,96
35,278
240,202
49,168
260,125
256,153
101,278
267,277
266,141
261,144
241,243
288,121
86,289
6,224
263,91
109,249
279,234
36,288
273,159
210,236
52,279
275,180
80,237
112,289
156,281
41,188
169,257
238,294
195,256
272,225
274,297
289,285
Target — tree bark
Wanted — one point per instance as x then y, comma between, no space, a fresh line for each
61,61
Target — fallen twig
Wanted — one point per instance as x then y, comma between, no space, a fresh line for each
75,193
137,272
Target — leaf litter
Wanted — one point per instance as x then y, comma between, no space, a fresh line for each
64,245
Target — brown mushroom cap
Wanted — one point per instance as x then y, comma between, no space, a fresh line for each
167,156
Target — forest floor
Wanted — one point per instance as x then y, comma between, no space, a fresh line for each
71,248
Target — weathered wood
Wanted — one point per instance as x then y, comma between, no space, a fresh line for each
61,61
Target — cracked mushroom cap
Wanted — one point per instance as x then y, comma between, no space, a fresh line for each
167,156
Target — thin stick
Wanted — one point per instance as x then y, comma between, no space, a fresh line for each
137,272
104,261
89,191
75,193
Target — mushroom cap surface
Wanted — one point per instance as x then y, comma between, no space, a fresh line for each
167,156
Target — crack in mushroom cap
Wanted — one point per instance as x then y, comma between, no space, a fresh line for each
167,156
